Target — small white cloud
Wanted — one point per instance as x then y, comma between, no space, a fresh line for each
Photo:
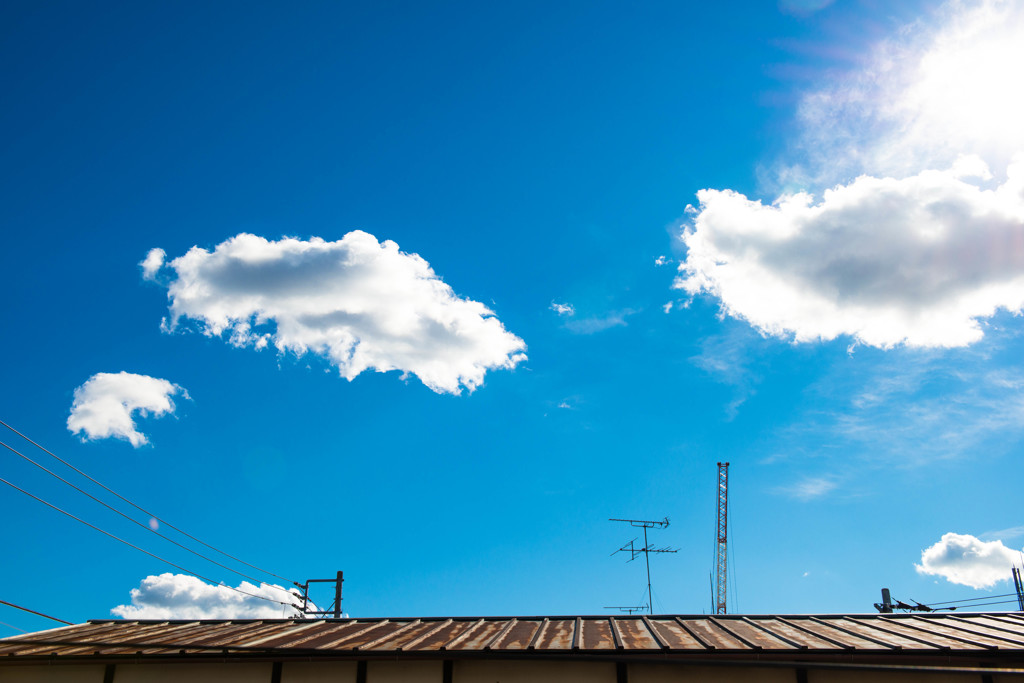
968,561
916,261
105,406
661,260
810,488
562,309
180,596
668,307
152,264
359,303
565,405
1003,534
596,324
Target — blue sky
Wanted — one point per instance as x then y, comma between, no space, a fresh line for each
427,294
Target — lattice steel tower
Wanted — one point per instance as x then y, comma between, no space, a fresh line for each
720,555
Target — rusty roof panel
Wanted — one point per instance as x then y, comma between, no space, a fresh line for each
706,631
596,635
299,634
636,636
967,634
888,635
440,639
556,635
793,632
831,628
519,636
753,636
674,635
479,636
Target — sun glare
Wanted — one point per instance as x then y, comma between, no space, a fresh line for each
967,87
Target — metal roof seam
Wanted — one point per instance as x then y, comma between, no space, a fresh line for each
696,636
973,622
975,632
537,634
905,636
855,634
577,634
462,636
616,636
731,632
389,636
334,643
819,636
501,634
416,641
773,634
662,643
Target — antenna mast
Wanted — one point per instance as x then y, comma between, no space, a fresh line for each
720,555
646,550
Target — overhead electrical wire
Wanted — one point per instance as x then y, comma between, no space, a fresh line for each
142,550
32,611
145,511
130,519
984,597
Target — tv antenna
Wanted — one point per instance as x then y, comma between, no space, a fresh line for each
645,550
628,610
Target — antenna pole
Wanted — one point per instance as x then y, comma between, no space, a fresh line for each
647,560
1019,585
723,525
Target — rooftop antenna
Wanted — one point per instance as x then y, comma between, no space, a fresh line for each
646,550
720,555
1019,585
628,610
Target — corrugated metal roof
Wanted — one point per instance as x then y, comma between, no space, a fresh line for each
681,636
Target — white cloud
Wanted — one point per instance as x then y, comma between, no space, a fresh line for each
915,261
357,302
894,251
1012,532
153,262
180,596
601,323
563,309
810,488
968,561
105,405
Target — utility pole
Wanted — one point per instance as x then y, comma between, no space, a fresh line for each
1019,585
720,545
309,609
646,550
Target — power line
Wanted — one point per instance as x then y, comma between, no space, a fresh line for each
130,519
141,550
4,623
984,597
26,609
142,509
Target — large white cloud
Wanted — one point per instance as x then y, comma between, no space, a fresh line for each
360,303
916,260
180,596
106,404
918,233
968,561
